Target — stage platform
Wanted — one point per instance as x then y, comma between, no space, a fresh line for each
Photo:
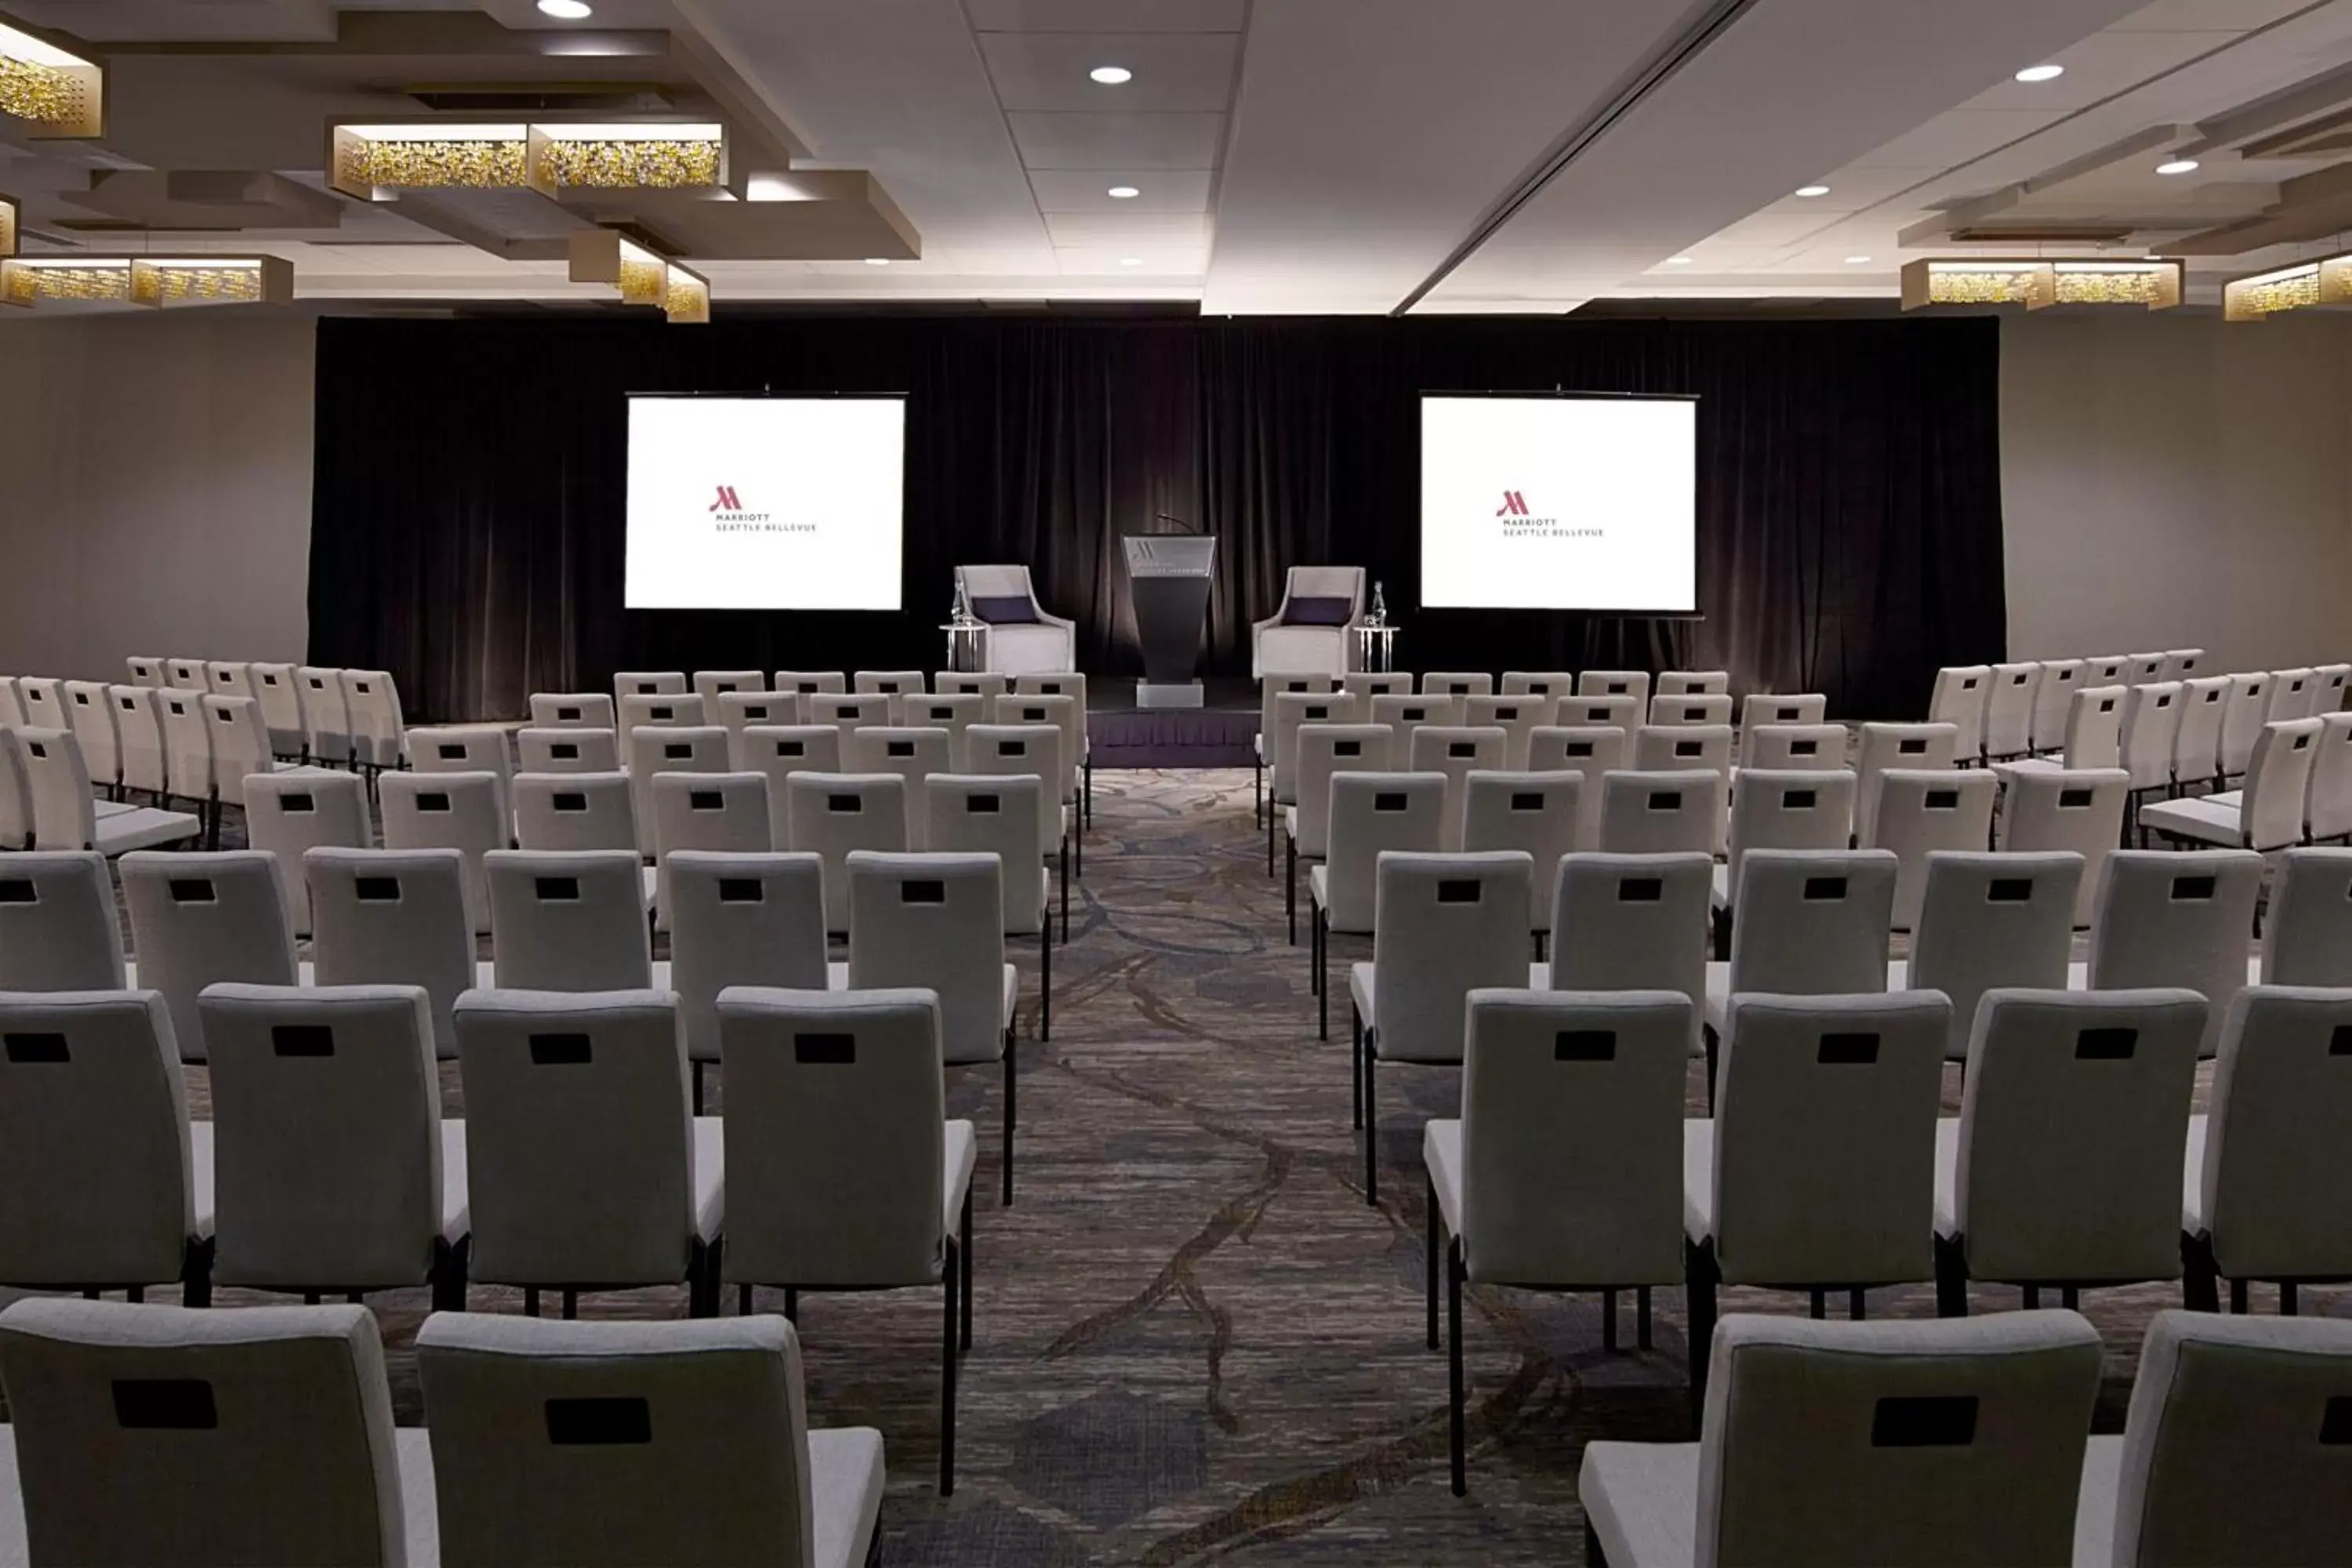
1215,736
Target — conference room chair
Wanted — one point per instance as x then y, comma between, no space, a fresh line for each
326,713
2268,812
2065,1166
846,711
143,670
2327,803
2149,738
629,683
2107,669
1592,751
1623,712
1323,750
44,709
740,920
230,677
1956,1443
1693,682
600,1445
392,917
955,712
1372,814
653,750
914,753
16,795
569,812
936,923
1693,708
2332,680
836,815
2167,918
1632,683
1404,713
1661,811
2307,938
2197,740
571,750
241,750
1453,751
2082,812
156,1434
1067,712
896,684
1989,923
1922,814
710,685
1564,1171
1517,717
1534,814
1817,1171
1033,751
571,920
186,675
1313,628
2182,663
105,1184
1078,745
1022,635
969,683
570,711
1365,685
58,928
1448,924
139,726
200,919
290,814
585,1167
1808,922
807,683
188,749
1676,747
2094,727
275,688
62,808
974,814
333,1168
1272,687
2144,669
90,714
2008,710
1552,683
1799,809
12,703
2053,699
2274,1141
2293,693
844,1171
465,811
2244,714
463,748
1959,697
1759,707
657,710
723,814
1456,683
373,702
780,751
1631,923
1784,746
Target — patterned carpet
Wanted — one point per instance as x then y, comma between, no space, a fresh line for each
1193,1340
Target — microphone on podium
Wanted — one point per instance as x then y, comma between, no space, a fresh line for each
1171,517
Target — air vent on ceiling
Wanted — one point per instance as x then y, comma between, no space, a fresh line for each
592,97
2042,234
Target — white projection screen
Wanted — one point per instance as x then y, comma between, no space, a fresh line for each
765,503
1533,502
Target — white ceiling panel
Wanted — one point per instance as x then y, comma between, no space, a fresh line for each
1173,72
1088,191
1107,16
1117,143
1127,228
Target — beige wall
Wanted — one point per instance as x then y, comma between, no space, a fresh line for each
154,489
2174,480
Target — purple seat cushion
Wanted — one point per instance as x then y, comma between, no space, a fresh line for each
1318,612
1007,610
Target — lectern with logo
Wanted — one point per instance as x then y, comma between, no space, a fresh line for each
1168,576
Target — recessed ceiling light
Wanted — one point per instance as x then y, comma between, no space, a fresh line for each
568,10
1123,193
1678,261
2178,166
2042,73
1112,76
1812,190
877,262
1131,261
1855,260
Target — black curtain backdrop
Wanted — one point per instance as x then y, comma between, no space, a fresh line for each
470,478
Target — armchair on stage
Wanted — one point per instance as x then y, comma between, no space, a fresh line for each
1313,631
1022,639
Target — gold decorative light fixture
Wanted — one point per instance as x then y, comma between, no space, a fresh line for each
157,282
2305,286
376,162
628,157
8,216
2037,284
58,92
608,256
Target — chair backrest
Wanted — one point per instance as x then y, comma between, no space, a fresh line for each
1661,812
96,1183
1457,683
90,714
2196,742
1015,749
1454,750
1534,814
579,1162
569,750
394,917
1957,1441
1959,699
326,1117
711,685
1404,712
629,683
526,1411
819,1083
1914,746
113,1402
671,749
568,921
1553,683
465,749
810,682
12,702
230,677
1922,813
780,751
574,811
845,710
143,670
465,811
326,711
2008,710
374,703
1795,809
2245,711
2307,940
1658,747
1518,715
2279,1132
139,723
1584,709
280,696
2166,918
836,815
1631,922
2327,807
572,710
1067,683
1825,1137
1812,922
1446,925
1632,683
1989,923
2094,728
1796,746
290,814
2181,663
2107,669
58,930
1573,1136
2151,730
723,813
668,710
1762,708
188,743
742,919
241,747
2233,1447
1373,813
1591,752
896,684
968,683
2145,667
1365,685
2053,699
934,922
980,814
186,674
2293,694
1275,685
47,767
1062,711
1686,682
2081,811
1324,750
953,712
736,712
198,919
2278,784
17,814
912,751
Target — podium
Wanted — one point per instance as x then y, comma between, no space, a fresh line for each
1168,575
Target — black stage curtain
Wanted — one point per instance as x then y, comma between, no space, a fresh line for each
468,500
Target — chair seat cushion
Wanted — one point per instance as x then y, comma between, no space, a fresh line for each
2094,1504
1717,1007
2192,1173
709,1177
1005,609
1641,1501
1720,894
144,828
963,1150
1012,993
1947,1177
2200,818
456,1209
1317,885
200,1178
411,1453
1318,611
1698,1179
1441,1150
844,1494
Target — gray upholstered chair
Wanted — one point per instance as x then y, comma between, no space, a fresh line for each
290,814
569,920
1534,814
655,749
396,917
1371,814
740,920
2082,812
1312,630
836,815
1808,923
1921,813
629,683
1989,922
912,751
1022,635
2307,940
1631,923
1661,811
199,918
574,749
1324,750
1920,748
572,710
58,928
572,812
2170,918
465,811
978,814
1784,810
1592,751
723,813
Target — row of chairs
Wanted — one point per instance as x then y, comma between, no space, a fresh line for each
2027,707
46,800
328,1167
316,713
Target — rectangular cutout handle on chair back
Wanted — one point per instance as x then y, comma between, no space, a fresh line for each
1925,1421
2009,891
17,890
301,1039
1317,712
922,892
598,1422
1461,748
556,890
568,800
792,749
705,800
1347,748
1527,800
1852,1048
983,805
567,715
1912,748
564,752
433,800
741,891
1507,714
1665,800
1012,748
673,751
34,1049
164,1405
1641,889
1462,891
2193,889
452,754
824,1050
560,1051
844,803
376,890
2074,800
1799,799
1804,748
1824,890
1387,802
294,804
1941,800
899,748
1584,1045
2105,1045
1416,715
192,891
1032,715
1579,749
661,711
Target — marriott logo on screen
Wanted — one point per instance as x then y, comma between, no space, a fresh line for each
728,507
1520,524
1514,505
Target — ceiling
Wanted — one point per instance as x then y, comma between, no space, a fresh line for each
1291,156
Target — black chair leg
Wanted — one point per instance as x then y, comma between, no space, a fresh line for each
1066,890
1430,1229
1819,1305
2200,1279
1011,1105
2070,1297
948,1374
1323,981
2288,1306
697,1088
1044,984
1372,1056
1951,1279
1698,1289
196,1274
1290,886
1456,1421
1857,1307
2238,1297
1356,1061
1592,1553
